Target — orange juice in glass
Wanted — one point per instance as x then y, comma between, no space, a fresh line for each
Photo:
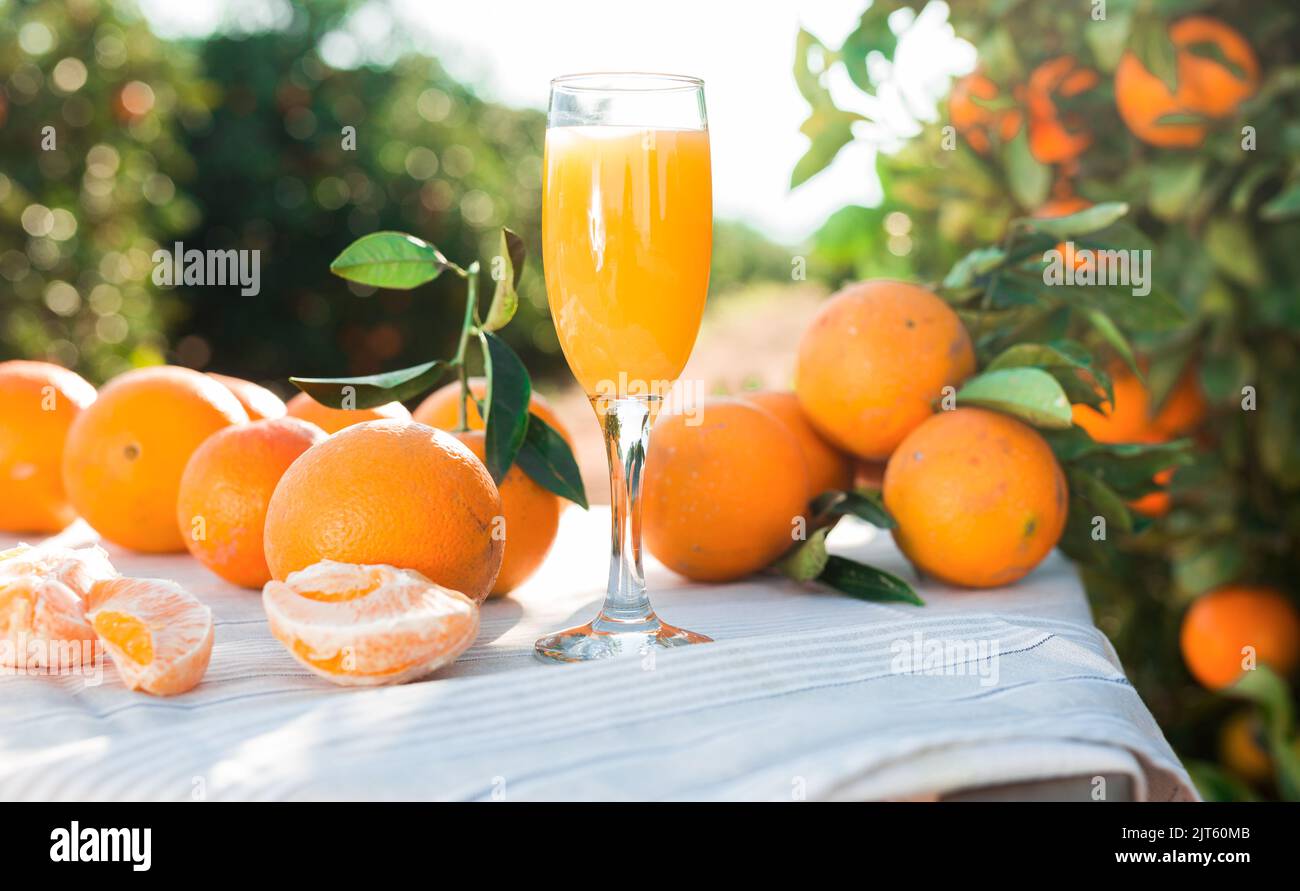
627,230
628,224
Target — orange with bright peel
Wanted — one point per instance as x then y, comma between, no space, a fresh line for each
158,634
530,520
874,362
397,493
260,403
1228,628
722,495
227,484
332,420
368,625
978,497
126,452
1209,85
828,467
38,403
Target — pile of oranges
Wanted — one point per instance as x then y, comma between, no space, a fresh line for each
978,497
284,498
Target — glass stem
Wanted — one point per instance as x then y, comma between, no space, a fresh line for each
627,433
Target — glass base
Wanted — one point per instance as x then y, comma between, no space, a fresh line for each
605,638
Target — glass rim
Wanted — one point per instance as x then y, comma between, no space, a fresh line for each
623,82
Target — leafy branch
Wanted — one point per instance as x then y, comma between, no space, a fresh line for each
513,434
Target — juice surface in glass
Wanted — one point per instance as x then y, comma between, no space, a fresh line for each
627,226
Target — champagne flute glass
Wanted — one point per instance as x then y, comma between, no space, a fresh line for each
627,232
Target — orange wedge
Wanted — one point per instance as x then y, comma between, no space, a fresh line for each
42,605
78,568
159,634
360,625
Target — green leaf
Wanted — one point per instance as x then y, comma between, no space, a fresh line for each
1155,50
867,582
1108,36
1273,696
509,390
390,260
1232,248
1130,469
1068,362
1030,394
872,34
1028,178
1105,326
828,130
1283,206
970,267
372,390
1175,185
867,506
549,462
1154,312
1099,498
806,560
507,267
1083,222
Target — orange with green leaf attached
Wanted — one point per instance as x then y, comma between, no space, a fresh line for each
1209,86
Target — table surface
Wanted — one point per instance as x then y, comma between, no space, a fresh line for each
802,695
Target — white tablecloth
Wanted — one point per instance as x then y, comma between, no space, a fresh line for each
801,695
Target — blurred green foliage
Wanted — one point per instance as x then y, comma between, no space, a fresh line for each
237,140
1221,220
91,155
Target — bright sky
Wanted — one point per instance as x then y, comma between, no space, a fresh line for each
743,49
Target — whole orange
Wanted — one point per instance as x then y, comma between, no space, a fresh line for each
978,497
875,360
227,484
969,113
531,515
1222,623
332,420
260,403
126,452
441,408
828,467
722,495
1206,86
393,492
38,403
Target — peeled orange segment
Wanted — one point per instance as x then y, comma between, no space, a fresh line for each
43,625
78,568
360,625
159,634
